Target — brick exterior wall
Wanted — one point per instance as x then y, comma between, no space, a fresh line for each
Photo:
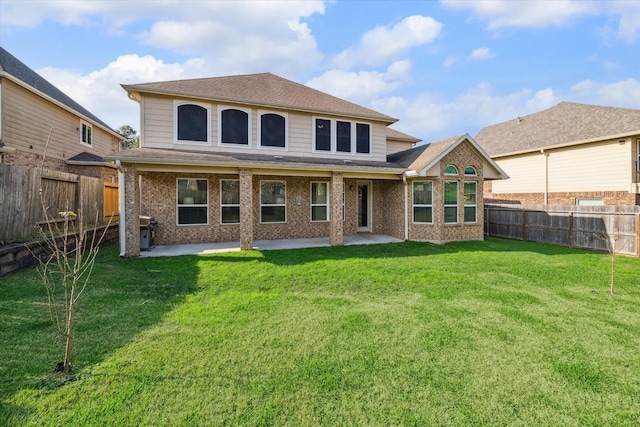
462,156
388,208
246,209
336,235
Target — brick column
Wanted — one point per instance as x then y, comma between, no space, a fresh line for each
246,209
131,210
336,236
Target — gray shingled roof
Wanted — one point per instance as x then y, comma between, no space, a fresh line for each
85,157
11,65
162,156
563,124
396,134
263,89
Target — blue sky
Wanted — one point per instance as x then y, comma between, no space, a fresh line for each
441,67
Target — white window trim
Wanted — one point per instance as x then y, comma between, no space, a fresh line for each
590,199
222,108
282,204
88,125
326,205
259,136
638,155
334,137
468,205
228,205
176,104
416,205
475,171
450,205
452,174
178,205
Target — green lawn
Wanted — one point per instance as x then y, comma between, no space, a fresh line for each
478,333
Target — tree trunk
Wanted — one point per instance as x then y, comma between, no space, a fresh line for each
67,350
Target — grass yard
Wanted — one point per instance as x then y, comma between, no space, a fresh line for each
477,333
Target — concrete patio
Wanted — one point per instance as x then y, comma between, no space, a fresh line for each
263,245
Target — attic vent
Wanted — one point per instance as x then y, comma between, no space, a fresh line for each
520,119
347,161
277,157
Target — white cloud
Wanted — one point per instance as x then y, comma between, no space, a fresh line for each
624,93
362,87
100,91
481,54
384,44
524,13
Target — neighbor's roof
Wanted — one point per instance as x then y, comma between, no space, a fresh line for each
263,89
10,65
567,123
198,158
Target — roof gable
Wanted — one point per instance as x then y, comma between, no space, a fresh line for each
263,89
422,158
10,65
564,124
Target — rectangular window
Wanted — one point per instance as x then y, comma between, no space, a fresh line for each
273,201
193,202
85,136
451,202
423,202
230,201
319,201
470,201
363,143
343,131
323,135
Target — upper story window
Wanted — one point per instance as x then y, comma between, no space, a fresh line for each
272,132
322,135
363,138
234,126
451,170
85,134
339,136
470,170
192,123
343,131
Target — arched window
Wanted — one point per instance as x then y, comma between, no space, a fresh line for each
235,127
192,123
273,131
470,170
451,170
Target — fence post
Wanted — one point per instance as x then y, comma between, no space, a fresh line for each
524,225
570,229
486,219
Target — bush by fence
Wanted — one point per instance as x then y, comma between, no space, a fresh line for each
585,227
21,209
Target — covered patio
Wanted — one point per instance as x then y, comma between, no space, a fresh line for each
264,245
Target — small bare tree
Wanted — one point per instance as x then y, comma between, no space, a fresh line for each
65,270
611,241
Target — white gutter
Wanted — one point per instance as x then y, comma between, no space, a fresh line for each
121,220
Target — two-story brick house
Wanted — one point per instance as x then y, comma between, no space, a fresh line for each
37,119
259,157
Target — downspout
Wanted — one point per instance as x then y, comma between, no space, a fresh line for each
406,207
121,219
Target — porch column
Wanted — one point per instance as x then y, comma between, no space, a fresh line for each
336,236
246,209
131,210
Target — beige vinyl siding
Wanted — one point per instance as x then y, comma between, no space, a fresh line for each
602,166
28,119
526,174
158,132
397,146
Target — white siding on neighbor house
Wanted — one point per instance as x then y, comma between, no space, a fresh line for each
526,174
157,130
29,118
602,166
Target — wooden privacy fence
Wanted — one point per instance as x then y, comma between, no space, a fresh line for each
586,227
21,207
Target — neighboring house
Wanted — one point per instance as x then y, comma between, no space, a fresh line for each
33,111
570,154
253,157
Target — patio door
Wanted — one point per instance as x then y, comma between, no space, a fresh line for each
364,207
